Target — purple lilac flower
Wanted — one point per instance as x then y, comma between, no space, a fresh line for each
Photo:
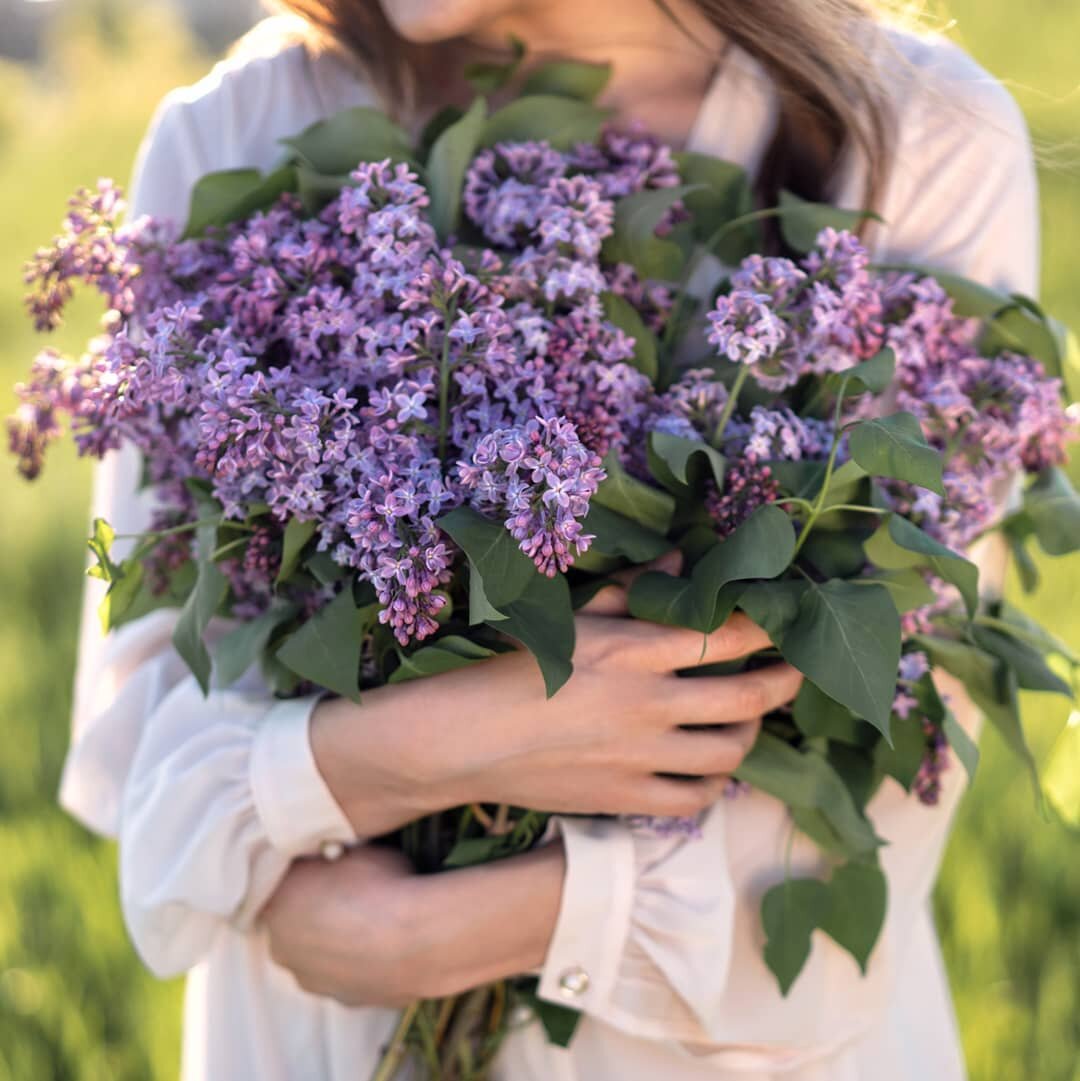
541,477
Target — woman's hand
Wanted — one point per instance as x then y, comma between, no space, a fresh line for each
625,735
367,931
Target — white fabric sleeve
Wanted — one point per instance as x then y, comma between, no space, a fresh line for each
212,796
661,937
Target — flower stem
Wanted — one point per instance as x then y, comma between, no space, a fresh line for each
819,502
394,1054
729,405
444,381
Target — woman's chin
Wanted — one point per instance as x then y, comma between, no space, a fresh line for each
427,21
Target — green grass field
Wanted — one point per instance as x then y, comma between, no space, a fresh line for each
74,1001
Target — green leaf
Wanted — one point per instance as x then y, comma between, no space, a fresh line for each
1061,778
802,221
857,895
560,1022
583,592
789,913
894,446
1019,329
762,547
1069,351
908,588
201,606
1010,620
563,122
1052,506
297,534
235,194
680,463
326,649
238,650
443,119
991,686
632,498
100,544
542,620
450,157
806,779
963,746
873,376
619,536
486,78
846,638
1032,672
835,553
497,565
902,760
816,714
634,239
722,193
773,606
568,79
336,145
444,655
124,592
621,313
899,544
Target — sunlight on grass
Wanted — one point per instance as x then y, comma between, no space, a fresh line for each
74,1001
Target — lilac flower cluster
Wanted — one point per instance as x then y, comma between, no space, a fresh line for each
344,369
788,320
992,417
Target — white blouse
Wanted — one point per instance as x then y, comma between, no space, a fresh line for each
212,797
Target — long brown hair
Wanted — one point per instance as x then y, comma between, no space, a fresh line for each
816,52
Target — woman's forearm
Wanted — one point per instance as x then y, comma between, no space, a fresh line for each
489,922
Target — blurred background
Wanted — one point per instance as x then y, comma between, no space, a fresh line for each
78,82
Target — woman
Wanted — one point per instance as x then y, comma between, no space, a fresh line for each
295,963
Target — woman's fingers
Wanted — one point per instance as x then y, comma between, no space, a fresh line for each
612,600
667,649
730,699
698,753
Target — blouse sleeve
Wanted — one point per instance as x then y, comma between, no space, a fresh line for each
211,796
661,937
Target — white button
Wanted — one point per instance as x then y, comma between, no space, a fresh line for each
332,850
574,982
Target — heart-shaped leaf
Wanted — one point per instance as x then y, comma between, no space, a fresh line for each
568,79
542,620
450,156
326,649
234,194
846,638
632,498
619,536
498,567
856,909
894,446
634,239
1052,506
336,145
802,221
560,121
898,544
621,313
680,463
789,913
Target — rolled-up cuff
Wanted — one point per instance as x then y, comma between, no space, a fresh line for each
594,916
296,807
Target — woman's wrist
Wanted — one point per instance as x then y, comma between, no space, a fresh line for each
378,762
485,923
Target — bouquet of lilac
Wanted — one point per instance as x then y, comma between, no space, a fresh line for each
399,404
